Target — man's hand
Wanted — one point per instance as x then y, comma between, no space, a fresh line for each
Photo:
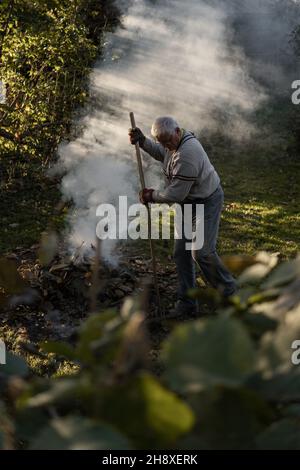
136,135
146,196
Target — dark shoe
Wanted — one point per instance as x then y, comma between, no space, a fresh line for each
228,300
183,309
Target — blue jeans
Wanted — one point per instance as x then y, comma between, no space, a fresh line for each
207,257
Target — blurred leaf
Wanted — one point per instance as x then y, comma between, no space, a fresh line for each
134,349
59,391
29,423
62,349
254,274
10,279
264,296
238,263
291,411
283,274
281,388
48,247
99,332
258,324
289,298
77,433
15,365
229,418
205,353
6,429
207,295
282,435
147,412
276,347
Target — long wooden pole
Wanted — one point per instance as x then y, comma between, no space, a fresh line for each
143,185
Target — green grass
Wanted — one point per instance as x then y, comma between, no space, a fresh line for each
261,210
261,205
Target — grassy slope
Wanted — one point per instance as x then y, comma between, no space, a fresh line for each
261,205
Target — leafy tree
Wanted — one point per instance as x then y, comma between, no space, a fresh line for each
46,50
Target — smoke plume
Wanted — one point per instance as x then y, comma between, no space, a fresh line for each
192,60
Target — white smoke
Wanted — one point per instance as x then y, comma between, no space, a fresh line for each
169,58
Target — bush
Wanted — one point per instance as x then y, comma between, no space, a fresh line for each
229,381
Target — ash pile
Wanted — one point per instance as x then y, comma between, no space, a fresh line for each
53,300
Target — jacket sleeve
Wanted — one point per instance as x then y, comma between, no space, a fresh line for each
184,176
156,151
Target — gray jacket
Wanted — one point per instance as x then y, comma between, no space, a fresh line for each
188,172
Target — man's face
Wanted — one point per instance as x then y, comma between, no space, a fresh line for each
170,142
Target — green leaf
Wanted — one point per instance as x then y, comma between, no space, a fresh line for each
206,353
254,274
61,390
101,329
275,354
281,388
15,365
147,412
264,296
62,349
291,411
283,274
237,263
282,435
229,418
77,433
259,324
29,423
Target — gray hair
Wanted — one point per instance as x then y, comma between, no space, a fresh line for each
164,126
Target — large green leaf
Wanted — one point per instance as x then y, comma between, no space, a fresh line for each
281,388
227,419
148,413
99,332
275,355
208,352
282,435
77,433
259,324
29,423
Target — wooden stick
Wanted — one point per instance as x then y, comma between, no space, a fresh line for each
152,251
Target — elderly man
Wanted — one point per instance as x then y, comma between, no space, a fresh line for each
190,178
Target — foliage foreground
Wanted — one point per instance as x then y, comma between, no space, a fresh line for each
229,380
